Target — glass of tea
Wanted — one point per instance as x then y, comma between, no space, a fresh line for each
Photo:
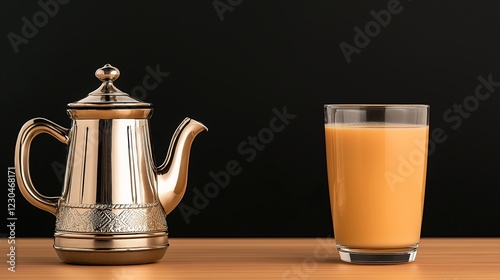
377,161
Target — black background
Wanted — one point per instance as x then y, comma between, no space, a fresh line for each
231,71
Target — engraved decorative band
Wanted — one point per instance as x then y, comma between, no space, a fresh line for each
110,206
111,219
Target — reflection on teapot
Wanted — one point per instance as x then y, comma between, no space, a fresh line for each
114,199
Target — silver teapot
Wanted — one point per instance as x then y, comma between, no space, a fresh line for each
114,199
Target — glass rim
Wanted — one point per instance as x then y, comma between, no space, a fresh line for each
362,106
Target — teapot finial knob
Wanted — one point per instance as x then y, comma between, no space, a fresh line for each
107,73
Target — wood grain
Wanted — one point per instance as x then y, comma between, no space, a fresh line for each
308,258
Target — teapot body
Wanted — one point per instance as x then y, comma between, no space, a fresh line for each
109,200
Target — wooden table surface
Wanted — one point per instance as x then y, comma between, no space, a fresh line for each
307,258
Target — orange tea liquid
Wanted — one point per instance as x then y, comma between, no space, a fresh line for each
376,175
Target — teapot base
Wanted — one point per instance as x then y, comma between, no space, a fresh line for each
112,249
110,257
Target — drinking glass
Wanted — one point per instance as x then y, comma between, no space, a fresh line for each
377,161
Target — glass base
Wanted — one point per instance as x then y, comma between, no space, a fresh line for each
378,256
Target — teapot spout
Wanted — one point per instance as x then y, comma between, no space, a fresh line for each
172,174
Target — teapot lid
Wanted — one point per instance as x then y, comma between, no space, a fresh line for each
107,96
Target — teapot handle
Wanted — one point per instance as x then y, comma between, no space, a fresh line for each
28,132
